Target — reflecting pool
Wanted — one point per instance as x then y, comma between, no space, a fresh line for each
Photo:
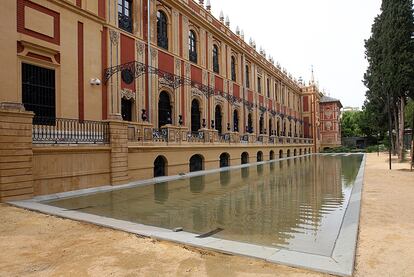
296,204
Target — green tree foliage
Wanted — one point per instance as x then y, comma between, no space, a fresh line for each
409,112
350,124
359,124
390,54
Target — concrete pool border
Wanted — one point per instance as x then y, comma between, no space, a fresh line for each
341,261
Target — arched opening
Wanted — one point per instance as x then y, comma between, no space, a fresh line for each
160,166
309,151
224,160
300,152
261,124
260,156
216,65
235,121
249,123
218,119
277,127
288,153
244,158
164,109
162,30
233,68
280,154
195,116
305,151
271,155
294,152
192,46
126,109
270,127
196,163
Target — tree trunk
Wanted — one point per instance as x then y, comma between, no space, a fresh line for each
395,138
401,129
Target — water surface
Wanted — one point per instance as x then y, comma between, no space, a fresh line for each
296,204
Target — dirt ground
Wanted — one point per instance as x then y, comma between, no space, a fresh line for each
33,244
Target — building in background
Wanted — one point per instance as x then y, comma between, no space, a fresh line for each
330,114
199,97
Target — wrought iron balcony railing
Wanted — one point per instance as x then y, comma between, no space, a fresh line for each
62,130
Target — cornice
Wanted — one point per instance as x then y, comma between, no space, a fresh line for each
241,46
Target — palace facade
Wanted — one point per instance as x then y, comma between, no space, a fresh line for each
331,134
92,95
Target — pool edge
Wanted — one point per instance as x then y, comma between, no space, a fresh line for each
340,263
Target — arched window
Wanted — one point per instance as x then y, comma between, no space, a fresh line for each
244,158
192,46
233,68
280,154
218,118
235,121
125,15
288,153
261,125
247,77
164,109
270,127
196,163
295,153
259,156
160,165
162,30
195,116
224,160
271,155
216,66
249,123
126,109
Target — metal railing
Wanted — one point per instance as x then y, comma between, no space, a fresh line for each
63,130
195,137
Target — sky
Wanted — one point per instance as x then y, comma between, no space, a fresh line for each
326,34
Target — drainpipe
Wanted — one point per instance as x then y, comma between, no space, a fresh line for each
149,112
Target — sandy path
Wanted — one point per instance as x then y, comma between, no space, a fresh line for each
39,245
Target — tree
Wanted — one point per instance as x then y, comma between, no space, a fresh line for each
390,54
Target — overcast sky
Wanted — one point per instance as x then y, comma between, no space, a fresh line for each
328,34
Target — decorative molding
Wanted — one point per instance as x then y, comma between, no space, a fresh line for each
140,48
114,36
196,91
128,94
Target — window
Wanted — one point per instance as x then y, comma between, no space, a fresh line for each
162,30
216,67
192,46
276,94
233,68
125,15
259,84
268,88
247,77
38,92
126,109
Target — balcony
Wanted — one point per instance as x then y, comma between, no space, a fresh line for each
145,134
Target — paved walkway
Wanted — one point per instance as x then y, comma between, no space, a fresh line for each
40,245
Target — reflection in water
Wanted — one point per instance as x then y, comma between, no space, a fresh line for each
197,184
225,178
260,169
245,172
296,204
161,192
